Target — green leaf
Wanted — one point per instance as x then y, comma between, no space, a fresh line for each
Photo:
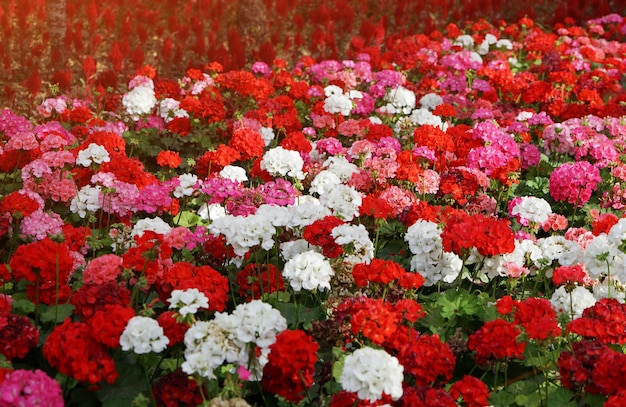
187,219
23,307
56,313
562,397
501,398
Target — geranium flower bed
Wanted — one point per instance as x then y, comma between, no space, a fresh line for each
440,224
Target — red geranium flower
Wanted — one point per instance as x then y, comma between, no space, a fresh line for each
176,389
605,322
170,159
72,349
17,335
287,373
496,340
319,234
473,391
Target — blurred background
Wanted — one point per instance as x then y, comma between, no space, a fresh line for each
71,42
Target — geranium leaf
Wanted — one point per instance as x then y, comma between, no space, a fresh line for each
56,313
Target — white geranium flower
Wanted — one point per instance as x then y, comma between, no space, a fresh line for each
343,201
234,173
143,335
170,108
211,212
603,257
324,182
430,101
309,270
94,153
532,209
156,225
356,237
206,347
371,372
244,232
188,301
280,162
400,100
306,210
336,101
139,101
341,167
572,303
86,200
186,187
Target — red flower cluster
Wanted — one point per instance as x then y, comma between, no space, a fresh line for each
576,367
571,276
377,271
174,330
176,389
473,391
91,298
73,350
17,336
256,279
319,234
488,235
375,319
425,396
170,159
376,207
18,205
428,360
248,142
183,275
108,323
496,340
213,162
459,184
287,373
44,263
605,321
535,315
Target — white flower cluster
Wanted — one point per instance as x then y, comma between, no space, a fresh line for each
234,173
357,238
429,258
399,100
140,99
306,210
603,257
341,167
170,108
143,335
324,182
94,153
370,372
280,162
187,185
188,301
572,303
343,200
233,338
86,200
244,232
156,225
339,102
558,248
309,270
532,209
430,101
